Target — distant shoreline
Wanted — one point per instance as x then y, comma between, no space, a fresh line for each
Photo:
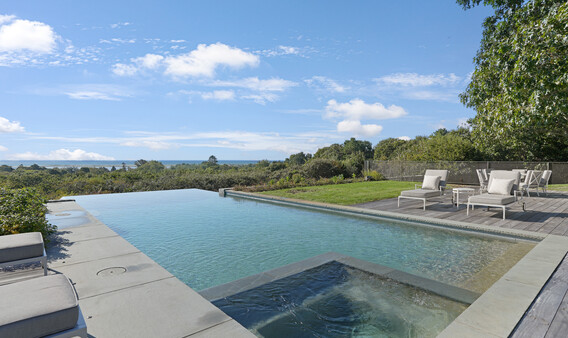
108,164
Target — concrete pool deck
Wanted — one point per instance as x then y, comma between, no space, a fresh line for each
122,292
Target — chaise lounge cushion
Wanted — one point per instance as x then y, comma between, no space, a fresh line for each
420,193
492,199
38,307
431,182
20,246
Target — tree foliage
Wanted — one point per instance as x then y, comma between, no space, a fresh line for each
520,85
442,145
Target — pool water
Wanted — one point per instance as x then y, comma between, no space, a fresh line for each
334,300
205,240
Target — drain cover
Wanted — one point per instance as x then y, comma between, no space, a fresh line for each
111,271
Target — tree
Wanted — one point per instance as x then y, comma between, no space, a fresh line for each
298,159
333,152
520,84
139,163
212,159
152,166
353,146
390,148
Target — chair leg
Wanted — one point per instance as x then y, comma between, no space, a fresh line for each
44,264
503,212
424,207
398,206
467,212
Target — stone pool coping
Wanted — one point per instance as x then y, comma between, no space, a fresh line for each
497,311
121,291
254,281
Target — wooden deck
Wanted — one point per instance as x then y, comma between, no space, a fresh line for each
548,315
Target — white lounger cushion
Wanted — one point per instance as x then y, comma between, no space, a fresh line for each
431,182
501,186
38,307
421,193
491,199
20,246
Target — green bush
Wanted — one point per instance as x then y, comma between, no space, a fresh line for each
322,168
373,175
23,210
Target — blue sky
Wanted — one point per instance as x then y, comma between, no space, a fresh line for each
182,80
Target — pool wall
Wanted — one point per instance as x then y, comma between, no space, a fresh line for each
497,311
251,282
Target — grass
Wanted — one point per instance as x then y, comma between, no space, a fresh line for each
346,194
558,187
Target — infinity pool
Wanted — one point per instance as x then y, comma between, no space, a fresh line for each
205,240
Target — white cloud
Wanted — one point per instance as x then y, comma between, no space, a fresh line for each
220,95
63,155
119,24
2,148
105,92
357,109
148,61
418,80
153,145
204,60
432,95
85,95
404,138
261,98
288,50
19,35
7,126
354,111
6,18
324,83
254,83
356,128
121,69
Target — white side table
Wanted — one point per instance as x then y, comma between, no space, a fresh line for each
456,192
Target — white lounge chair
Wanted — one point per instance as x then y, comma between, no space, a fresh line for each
525,186
482,180
21,249
543,182
501,191
41,307
433,185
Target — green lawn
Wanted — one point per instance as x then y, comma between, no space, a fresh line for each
346,194
558,187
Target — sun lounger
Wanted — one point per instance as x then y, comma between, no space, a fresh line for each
433,186
39,307
501,191
22,248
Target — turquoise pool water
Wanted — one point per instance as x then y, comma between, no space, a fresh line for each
205,240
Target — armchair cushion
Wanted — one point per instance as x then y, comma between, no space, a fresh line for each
501,186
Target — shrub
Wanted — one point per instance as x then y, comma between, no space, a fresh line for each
321,167
23,210
373,175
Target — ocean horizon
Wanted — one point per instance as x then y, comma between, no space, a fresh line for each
110,164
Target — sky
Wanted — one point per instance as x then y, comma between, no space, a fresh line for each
241,80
